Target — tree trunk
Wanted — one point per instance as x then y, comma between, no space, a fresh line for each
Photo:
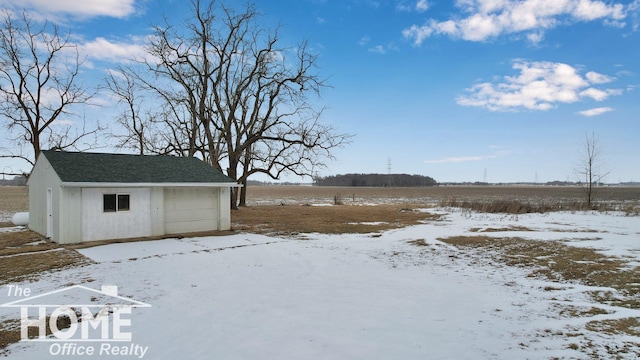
234,198
35,141
245,171
232,173
243,193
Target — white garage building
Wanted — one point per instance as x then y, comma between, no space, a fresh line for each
77,196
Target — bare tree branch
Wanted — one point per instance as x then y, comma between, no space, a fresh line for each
39,83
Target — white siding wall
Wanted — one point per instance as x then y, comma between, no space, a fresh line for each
98,225
70,214
191,209
225,208
42,178
157,211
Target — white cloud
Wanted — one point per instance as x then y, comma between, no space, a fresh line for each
535,37
595,111
84,8
538,86
591,10
417,33
485,19
499,151
595,94
596,78
634,9
422,5
378,49
106,50
458,159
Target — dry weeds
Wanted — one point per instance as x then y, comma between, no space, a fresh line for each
518,206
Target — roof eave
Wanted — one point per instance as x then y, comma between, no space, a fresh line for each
128,185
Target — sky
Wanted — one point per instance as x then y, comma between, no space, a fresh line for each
466,90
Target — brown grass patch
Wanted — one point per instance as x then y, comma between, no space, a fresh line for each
10,330
9,334
29,266
17,242
325,219
630,326
559,262
25,255
575,311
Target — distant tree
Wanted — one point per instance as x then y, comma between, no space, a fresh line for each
590,168
39,83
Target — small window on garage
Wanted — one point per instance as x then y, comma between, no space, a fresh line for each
123,202
115,202
109,202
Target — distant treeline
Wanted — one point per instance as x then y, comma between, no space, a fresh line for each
16,181
376,180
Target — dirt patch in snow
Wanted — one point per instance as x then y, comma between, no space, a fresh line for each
341,219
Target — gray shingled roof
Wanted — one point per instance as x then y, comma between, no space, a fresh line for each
124,168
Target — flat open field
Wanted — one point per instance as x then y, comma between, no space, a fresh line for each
12,199
15,198
276,195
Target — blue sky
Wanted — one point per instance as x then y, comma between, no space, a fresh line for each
467,90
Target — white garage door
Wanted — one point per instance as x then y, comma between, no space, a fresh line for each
190,209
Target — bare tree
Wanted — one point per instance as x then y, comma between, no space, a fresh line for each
245,98
39,82
590,168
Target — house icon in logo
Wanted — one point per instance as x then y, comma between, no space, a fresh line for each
91,315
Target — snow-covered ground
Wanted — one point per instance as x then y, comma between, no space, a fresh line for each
373,296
